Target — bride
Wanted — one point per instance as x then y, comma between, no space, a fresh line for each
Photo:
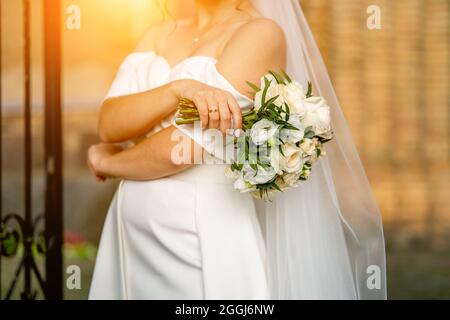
181,231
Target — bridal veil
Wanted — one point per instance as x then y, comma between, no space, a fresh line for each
325,238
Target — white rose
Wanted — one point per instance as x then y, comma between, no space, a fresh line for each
292,179
260,176
258,100
273,90
262,131
292,161
281,184
319,151
309,146
274,159
293,136
276,90
294,96
317,115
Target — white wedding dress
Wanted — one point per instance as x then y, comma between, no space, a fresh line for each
192,236
189,236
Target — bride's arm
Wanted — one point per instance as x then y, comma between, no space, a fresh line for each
257,48
131,116
127,117
148,160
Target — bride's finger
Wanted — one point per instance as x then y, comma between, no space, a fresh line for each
236,113
213,110
202,106
225,115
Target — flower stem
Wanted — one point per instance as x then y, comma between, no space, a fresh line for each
188,114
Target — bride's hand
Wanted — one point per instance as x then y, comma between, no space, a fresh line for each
218,108
96,154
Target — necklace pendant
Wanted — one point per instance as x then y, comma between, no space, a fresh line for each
196,40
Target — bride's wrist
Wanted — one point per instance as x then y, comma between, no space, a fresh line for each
179,87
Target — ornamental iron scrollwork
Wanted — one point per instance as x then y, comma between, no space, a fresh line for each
27,237
26,241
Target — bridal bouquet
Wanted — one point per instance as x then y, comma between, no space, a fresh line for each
284,135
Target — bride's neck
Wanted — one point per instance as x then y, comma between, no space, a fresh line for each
210,11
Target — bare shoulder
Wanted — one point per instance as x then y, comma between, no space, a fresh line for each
259,36
257,47
262,27
261,32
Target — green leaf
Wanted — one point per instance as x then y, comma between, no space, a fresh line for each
273,114
277,77
309,92
253,86
288,112
291,127
286,76
309,133
277,187
272,100
280,147
318,153
264,94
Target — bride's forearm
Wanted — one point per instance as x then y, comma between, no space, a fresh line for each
148,160
127,117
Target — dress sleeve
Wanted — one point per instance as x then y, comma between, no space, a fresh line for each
121,84
135,75
212,141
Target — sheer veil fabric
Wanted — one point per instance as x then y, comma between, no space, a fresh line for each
324,239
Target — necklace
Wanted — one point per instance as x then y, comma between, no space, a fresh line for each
196,39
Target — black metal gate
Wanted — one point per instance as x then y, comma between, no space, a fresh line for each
25,235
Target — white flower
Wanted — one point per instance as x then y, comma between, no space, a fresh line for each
270,90
294,96
262,131
292,161
276,90
292,179
274,160
293,136
317,115
309,146
258,100
319,151
281,184
273,90
259,176
243,186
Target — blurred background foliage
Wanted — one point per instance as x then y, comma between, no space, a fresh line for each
393,85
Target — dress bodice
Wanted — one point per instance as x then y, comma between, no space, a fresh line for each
141,71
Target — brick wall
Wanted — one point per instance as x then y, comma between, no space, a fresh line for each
393,85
